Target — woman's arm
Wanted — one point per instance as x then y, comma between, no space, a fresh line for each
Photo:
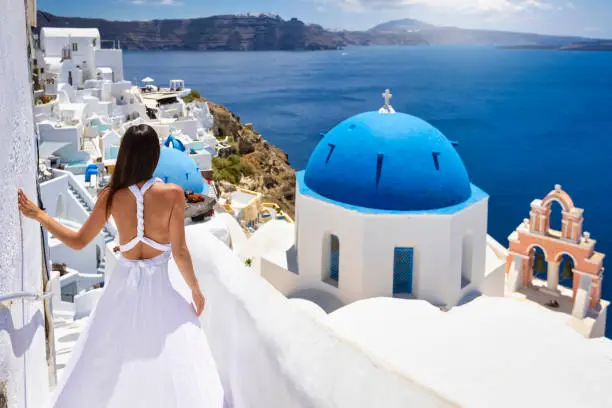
180,252
74,239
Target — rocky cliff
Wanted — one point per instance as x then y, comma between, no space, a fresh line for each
260,32
270,172
252,32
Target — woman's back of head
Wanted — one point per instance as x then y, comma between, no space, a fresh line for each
136,161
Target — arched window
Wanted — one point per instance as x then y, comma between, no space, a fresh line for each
466,260
402,270
566,271
332,274
556,216
539,264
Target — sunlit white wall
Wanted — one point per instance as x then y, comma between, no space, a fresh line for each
22,337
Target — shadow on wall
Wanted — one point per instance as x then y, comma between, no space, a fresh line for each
468,297
325,300
21,339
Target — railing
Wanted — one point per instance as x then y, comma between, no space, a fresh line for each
110,44
35,297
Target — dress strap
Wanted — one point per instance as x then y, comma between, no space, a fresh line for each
149,184
140,237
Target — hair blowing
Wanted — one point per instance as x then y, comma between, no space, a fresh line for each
136,161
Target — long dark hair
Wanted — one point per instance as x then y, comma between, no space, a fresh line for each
136,161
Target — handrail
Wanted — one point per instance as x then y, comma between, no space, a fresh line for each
7,297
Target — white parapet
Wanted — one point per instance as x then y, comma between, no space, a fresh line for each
271,354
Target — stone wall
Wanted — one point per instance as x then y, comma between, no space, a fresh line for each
23,367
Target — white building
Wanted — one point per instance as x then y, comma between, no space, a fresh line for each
385,207
70,53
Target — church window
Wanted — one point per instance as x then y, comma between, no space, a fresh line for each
466,260
402,270
332,275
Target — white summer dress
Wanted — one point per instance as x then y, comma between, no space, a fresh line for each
143,346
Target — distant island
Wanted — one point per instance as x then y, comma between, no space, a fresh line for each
264,32
592,45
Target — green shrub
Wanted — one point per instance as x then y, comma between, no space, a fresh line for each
230,168
193,95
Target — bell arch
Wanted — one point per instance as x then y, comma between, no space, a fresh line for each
571,217
571,259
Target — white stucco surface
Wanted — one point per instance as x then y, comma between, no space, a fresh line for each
273,238
22,336
490,352
445,246
272,354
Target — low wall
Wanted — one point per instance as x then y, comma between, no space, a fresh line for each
270,354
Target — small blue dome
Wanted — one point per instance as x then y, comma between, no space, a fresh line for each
391,162
177,167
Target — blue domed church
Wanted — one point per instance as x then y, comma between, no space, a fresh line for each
385,207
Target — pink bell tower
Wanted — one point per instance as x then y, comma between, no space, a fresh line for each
578,246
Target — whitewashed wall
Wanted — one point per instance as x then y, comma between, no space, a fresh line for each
111,58
367,243
54,192
22,336
272,354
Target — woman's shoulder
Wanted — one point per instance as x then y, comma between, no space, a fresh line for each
170,189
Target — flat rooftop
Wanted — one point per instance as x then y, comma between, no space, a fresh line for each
491,352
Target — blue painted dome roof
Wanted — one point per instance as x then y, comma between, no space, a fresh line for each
392,162
177,167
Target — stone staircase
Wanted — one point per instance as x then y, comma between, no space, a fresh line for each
90,147
108,236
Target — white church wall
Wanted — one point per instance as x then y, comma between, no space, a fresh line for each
495,269
367,245
317,221
428,235
23,368
294,361
468,240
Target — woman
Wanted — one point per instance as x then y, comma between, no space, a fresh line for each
143,345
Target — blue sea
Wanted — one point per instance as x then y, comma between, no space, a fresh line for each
525,120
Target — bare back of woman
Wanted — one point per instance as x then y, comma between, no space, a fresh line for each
158,204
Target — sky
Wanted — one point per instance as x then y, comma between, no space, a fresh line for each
588,18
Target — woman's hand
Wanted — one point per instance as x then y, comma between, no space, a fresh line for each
27,207
198,301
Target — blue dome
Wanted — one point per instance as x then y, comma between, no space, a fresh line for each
391,162
177,167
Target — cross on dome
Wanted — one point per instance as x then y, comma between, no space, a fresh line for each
387,95
387,108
